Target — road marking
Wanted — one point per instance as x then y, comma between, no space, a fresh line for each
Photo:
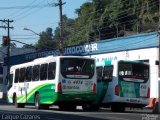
52,118
116,118
10,113
115,113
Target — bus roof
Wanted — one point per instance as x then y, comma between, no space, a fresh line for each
116,61
46,60
133,61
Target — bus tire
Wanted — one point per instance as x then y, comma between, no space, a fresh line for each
17,105
94,107
45,106
67,107
38,105
85,107
89,107
117,108
37,101
71,107
14,98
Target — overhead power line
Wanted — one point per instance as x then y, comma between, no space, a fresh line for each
25,7
26,12
21,10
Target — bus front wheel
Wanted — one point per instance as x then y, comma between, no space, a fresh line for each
17,105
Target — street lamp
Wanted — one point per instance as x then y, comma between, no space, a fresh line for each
31,31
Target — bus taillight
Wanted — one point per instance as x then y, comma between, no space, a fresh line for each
116,90
60,88
148,93
94,88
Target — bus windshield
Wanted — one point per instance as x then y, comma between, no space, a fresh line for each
77,68
136,72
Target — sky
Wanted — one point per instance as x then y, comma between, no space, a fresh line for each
34,18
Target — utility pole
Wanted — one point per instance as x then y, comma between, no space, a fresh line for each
60,41
159,40
8,47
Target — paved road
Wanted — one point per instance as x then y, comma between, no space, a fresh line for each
9,112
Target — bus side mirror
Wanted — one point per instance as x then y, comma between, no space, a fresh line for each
156,62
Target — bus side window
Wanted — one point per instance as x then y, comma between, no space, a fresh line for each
35,76
107,73
22,73
99,73
28,73
43,71
51,70
16,76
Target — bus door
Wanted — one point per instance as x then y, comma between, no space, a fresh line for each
104,76
27,82
22,86
107,77
99,71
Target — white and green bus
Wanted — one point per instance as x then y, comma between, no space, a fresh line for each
66,81
123,83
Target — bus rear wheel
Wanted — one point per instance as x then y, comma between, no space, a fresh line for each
68,107
90,107
38,105
37,102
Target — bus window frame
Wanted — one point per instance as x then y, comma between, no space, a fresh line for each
22,75
31,70
34,73
53,71
133,76
16,78
81,70
99,78
43,72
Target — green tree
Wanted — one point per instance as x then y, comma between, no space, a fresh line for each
83,24
103,19
46,40
111,18
68,30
